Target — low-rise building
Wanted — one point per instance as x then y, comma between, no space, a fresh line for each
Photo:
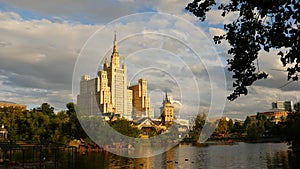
4,104
274,115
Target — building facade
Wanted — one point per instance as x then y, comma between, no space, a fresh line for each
141,100
283,105
167,111
109,91
4,104
275,116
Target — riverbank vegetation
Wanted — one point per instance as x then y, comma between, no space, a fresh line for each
258,129
42,125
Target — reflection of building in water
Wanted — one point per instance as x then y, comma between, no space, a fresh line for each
170,159
167,111
144,163
109,91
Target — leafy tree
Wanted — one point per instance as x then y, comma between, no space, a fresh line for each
124,127
247,122
45,108
198,125
292,128
254,132
223,127
72,127
41,125
259,25
238,127
230,125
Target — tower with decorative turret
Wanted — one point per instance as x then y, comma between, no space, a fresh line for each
167,111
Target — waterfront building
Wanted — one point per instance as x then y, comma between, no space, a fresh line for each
4,104
274,116
109,92
167,111
283,105
148,126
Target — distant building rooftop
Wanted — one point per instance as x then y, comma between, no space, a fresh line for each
12,104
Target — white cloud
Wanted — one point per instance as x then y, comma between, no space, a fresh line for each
214,17
38,55
216,31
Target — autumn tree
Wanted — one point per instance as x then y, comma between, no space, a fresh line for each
259,25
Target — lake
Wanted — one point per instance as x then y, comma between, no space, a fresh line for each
241,155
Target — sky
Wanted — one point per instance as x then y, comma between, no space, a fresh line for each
46,45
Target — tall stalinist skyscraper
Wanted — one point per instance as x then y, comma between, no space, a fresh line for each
111,92
117,81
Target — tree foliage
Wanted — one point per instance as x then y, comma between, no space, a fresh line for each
124,127
292,127
223,126
42,125
198,125
259,25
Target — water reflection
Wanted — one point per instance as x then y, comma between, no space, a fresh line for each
242,155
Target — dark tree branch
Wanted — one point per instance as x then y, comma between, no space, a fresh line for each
261,25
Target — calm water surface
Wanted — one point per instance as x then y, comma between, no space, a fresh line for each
241,155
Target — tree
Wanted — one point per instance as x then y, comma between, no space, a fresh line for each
198,125
230,125
124,127
253,132
46,109
260,25
292,128
247,122
73,126
238,127
223,127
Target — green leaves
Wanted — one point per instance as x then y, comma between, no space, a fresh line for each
124,127
41,124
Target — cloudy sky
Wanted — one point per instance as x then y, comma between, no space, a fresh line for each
46,45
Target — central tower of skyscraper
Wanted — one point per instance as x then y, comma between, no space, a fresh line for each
117,81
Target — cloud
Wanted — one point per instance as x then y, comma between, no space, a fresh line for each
270,63
39,54
40,42
214,17
94,11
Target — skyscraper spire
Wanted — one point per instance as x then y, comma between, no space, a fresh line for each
105,65
167,98
166,95
115,50
115,59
